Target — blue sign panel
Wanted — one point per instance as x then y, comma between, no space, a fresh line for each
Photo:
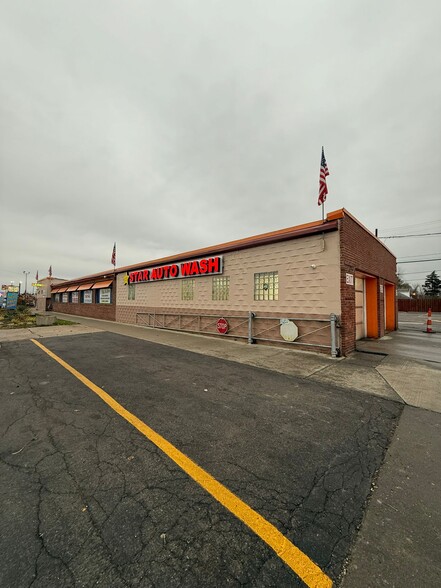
11,300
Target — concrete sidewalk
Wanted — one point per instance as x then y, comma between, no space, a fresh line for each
399,542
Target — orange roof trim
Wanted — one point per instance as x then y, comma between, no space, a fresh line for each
294,232
264,238
336,214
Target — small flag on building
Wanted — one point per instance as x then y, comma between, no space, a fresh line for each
36,276
50,271
323,188
113,260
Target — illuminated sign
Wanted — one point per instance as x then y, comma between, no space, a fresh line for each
186,269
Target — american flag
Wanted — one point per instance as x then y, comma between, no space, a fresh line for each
36,276
113,260
323,188
50,271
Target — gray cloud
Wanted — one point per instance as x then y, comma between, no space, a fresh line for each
175,125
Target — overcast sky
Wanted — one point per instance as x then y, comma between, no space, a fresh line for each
177,124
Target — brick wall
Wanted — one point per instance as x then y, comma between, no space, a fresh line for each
308,270
100,311
361,253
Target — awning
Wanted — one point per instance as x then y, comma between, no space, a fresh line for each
62,290
71,288
85,286
105,284
55,290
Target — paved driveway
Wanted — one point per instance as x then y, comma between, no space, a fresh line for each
88,500
417,321
410,340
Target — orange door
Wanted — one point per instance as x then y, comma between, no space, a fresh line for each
389,302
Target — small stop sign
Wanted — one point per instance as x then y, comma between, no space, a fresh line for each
222,326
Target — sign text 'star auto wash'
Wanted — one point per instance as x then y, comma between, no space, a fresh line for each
185,269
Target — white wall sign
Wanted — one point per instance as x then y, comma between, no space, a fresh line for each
350,279
381,288
87,297
105,296
65,297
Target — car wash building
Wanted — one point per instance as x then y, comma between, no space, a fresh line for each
318,286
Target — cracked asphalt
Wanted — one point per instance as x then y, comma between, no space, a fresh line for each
87,500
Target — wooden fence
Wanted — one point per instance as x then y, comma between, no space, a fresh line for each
419,304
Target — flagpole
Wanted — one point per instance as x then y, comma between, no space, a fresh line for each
114,265
323,190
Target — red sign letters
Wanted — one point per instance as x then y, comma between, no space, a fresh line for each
186,269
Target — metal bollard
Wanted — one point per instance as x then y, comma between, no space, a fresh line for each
251,315
333,318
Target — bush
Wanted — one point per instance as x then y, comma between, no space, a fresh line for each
15,319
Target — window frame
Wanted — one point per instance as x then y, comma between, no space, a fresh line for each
220,288
187,289
270,279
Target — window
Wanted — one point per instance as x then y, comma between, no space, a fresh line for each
187,289
266,286
221,288
131,292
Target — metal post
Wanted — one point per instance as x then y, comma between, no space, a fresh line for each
26,281
333,335
251,315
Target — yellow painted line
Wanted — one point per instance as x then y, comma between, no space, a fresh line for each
298,561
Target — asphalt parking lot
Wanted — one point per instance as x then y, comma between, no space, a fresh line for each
88,500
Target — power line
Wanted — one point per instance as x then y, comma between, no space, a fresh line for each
414,235
414,226
412,273
419,260
422,255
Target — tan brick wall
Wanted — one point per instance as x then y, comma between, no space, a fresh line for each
303,292
302,289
